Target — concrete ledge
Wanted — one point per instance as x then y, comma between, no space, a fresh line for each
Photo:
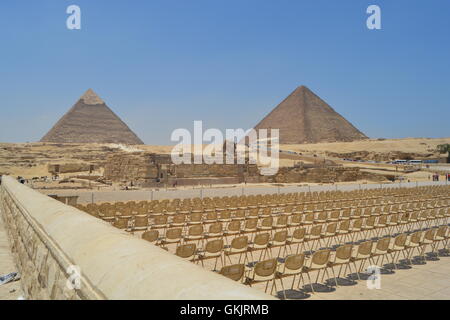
48,237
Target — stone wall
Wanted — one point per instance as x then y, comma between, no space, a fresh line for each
50,240
320,175
148,169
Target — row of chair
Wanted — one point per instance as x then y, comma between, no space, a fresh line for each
346,255
317,235
307,201
232,223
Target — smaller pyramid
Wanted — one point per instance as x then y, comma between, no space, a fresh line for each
91,121
303,117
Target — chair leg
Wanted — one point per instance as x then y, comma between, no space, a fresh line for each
282,287
310,282
229,259
300,279
326,271
340,270
317,278
334,275
274,285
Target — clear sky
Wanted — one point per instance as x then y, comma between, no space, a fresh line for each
161,64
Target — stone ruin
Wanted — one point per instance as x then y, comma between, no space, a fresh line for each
153,170
150,169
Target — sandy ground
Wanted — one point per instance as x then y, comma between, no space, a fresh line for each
31,159
412,145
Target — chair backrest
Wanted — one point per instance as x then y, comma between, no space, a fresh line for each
195,230
331,227
430,234
216,228
267,211
211,216
335,214
141,221
160,220
240,213
174,233
267,222
299,233
234,272
186,250
357,223
400,240
196,217
382,220
262,239
365,248
225,215
316,230
370,221
121,223
442,231
296,218
322,216
295,262
251,223
344,252
214,246
309,217
266,268
344,225
321,257
280,236
282,220
416,237
151,235
393,218
234,226
179,218
383,244
239,242
253,212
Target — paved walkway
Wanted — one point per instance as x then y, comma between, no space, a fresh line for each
225,190
12,290
430,281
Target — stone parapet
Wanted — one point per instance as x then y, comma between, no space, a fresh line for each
51,240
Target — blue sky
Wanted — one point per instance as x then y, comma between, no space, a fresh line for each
162,64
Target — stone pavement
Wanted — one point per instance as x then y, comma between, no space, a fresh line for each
430,281
11,290
224,190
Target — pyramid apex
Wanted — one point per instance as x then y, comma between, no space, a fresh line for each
90,97
302,88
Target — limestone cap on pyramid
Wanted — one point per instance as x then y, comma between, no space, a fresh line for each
90,97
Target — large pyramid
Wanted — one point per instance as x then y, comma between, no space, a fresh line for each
305,118
91,121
